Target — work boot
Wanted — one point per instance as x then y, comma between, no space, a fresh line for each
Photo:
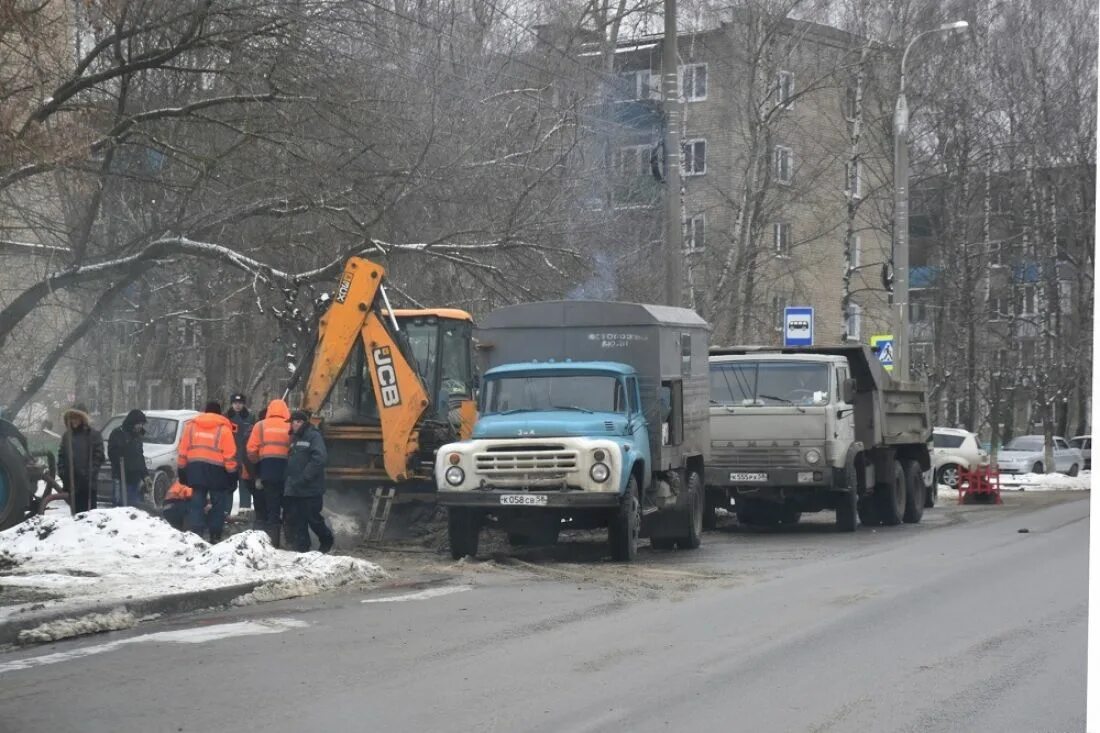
326,546
274,532
215,537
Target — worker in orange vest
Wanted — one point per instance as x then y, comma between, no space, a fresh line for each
268,447
208,464
177,504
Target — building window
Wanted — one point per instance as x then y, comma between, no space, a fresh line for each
632,160
997,254
695,233
642,84
129,393
853,179
781,233
851,104
854,325
779,307
1025,305
918,312
999,307
695,157
152,395
693,82
784,164
784,88
190,389
190,332
857,251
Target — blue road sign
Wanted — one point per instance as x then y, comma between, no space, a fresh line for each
798,326
883,344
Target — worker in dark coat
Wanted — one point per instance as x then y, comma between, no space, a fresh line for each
79,458
305,485
126,451
243,421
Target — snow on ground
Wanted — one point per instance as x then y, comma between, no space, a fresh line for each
1031,482
123,554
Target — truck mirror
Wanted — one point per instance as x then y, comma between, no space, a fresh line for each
848,390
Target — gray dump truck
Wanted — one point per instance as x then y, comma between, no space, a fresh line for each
591,414
818,428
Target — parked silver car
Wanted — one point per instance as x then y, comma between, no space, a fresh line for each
1025,454
1083,443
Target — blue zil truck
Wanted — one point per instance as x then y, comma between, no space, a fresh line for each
591,414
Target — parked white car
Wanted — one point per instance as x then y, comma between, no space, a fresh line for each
1025,454
163,431
953,449
1083,443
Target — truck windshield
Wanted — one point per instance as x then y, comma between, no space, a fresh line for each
585,392
759,383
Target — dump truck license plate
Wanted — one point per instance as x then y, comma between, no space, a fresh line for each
524,499
748,477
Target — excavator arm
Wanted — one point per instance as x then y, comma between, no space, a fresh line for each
356,313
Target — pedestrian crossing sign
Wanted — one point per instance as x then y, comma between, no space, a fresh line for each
883,344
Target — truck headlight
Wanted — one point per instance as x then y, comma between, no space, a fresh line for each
813,457
454,475
599,472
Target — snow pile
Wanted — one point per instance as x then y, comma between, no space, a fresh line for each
123,554
1046,482
91,623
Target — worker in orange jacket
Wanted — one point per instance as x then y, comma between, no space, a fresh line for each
268,448
177,504
208,464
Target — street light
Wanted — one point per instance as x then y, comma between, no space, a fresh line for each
901,210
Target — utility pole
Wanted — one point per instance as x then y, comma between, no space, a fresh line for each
674,231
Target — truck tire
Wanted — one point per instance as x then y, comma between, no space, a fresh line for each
890,498
463,530
865,507
15,486
789,515
622,531
693,517
847,509
914,492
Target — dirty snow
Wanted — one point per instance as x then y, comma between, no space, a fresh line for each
121,554
91,623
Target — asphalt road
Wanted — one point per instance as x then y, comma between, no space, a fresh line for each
959,624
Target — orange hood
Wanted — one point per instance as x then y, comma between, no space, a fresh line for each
211,420
277,408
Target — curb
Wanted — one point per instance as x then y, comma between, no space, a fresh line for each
167,604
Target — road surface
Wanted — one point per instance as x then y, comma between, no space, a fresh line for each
962,623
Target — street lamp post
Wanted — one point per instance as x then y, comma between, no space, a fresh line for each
901,211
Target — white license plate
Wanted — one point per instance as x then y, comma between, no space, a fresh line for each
748,477
524,499
805,477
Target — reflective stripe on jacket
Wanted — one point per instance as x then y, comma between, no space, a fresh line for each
269,443
208,453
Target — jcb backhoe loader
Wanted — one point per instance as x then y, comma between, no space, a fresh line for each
391,386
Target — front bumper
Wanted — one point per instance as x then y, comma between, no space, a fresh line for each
492,498
821,477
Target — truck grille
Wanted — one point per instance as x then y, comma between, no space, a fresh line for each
534,459
754,456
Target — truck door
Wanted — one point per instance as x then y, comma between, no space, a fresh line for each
844,427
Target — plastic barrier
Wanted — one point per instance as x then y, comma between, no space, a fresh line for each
979,485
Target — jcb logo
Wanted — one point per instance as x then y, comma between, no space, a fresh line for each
345,286
387,377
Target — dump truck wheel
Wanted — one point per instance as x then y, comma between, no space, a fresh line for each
890,497
15,486
847,510
622,531
463,530
914,493
789,515
694,514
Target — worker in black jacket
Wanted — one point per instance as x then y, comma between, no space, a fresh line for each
305,485
78,459
126,451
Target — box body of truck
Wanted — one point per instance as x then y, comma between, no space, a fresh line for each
635,378
806,429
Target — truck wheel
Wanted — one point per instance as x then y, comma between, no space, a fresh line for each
15,486
463,530
710,508
622,532
890,498
847,510
865,507
693,519
789,515
914,493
